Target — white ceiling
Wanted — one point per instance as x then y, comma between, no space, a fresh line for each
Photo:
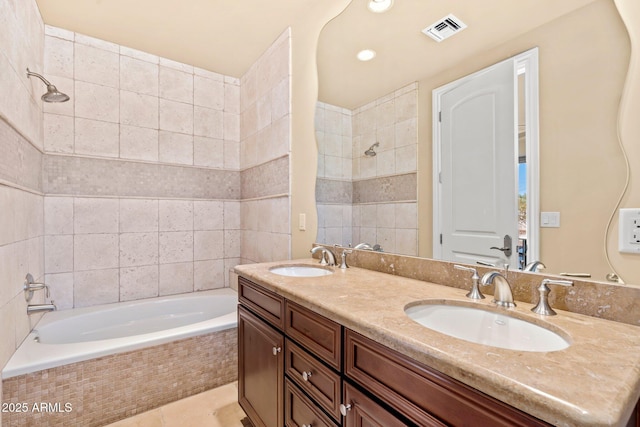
228,36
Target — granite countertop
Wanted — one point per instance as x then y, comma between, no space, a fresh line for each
594,382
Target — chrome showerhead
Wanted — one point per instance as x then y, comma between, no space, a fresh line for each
371,152
53,94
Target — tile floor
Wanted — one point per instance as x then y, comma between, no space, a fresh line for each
214,408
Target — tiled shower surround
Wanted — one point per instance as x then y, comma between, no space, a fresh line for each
110,388
155,169
362,198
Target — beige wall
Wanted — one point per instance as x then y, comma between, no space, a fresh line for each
583,61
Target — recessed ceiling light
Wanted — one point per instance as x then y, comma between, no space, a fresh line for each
379,6
366,55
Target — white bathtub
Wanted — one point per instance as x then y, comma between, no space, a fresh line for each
69,336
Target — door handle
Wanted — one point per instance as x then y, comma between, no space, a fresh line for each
506,246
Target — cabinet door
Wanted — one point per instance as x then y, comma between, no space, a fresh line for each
260,370
364,412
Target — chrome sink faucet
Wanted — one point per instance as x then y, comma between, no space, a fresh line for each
328,258
502,295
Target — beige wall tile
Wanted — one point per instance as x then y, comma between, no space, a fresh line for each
176,85
406,215
7,215
208,215
138,110
176,116
208,152
138,75
232,243
138,249
406,241
7,333
386,238
232,98
263,111
58,254
95,287
208,245
208,122
406,133
208,274
101,44
95,252
176,215
231,155
93,215
175,148
96,102
280,100
60,33
138,215
176,278
58,133
208,93
176,246
138,143
58,215
139,282
96,138
58,57
232,215
178,66
406,159
231,126
96,65
386,163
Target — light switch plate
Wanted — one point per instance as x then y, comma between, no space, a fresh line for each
550,219
629,235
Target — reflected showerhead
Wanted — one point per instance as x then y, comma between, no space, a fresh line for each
53,94
371,152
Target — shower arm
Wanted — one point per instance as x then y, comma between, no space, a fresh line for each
45,81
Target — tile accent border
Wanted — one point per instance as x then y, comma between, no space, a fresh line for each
386,189
334,191
74,175
20,162
267,179
107,389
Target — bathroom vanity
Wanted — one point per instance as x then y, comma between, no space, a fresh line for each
339,350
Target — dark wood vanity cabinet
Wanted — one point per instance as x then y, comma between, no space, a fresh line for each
300,369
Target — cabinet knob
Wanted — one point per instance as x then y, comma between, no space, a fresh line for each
307,425
306,375
276,350
345,408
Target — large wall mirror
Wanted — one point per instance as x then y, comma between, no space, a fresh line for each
374,119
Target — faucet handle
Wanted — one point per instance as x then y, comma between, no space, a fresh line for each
343,264
543,308
474,293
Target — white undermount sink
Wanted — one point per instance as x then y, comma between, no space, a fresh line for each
486,327
301,271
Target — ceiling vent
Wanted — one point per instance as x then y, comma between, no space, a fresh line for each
445,28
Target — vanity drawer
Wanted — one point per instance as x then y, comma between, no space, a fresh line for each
425,396
323,384
363,411
300,411
319,335
267,304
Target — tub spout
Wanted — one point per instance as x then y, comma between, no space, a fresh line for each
38,308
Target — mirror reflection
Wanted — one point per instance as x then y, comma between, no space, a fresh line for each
383,194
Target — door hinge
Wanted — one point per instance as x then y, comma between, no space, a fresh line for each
440,238
440,116
440,177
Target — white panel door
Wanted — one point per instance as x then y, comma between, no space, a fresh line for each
478,194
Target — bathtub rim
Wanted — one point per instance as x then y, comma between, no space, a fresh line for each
23,360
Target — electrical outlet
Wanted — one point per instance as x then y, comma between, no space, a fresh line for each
629,235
